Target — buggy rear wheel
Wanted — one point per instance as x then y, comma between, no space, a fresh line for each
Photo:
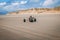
24,20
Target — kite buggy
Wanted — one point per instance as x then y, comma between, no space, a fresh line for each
31,19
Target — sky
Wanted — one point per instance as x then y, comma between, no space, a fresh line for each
15,5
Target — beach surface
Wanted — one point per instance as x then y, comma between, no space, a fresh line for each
47,27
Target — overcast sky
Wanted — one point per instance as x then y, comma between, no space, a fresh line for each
13,5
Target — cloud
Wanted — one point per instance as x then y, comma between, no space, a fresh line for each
34,0
19,3
49,2
2,4
23,2
15,6
15,3
12,7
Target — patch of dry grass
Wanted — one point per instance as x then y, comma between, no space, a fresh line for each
37,11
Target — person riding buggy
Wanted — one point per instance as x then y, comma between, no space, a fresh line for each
31,19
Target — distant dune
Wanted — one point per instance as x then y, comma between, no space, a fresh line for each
36,11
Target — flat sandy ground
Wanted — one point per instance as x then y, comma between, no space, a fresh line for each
47,27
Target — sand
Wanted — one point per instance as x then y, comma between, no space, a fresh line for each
47,27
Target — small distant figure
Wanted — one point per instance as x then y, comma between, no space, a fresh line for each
24,20
32,19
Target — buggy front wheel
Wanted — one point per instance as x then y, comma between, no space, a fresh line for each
24,20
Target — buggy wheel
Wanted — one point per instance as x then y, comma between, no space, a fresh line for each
24,20
35,20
